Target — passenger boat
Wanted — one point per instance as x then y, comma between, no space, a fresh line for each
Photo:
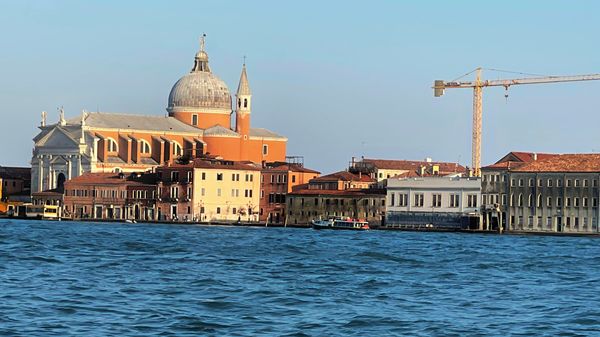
340,223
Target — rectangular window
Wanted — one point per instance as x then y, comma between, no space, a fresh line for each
218,192
174,176
558,183
203,175
203,191
549,182
549,221
577,184
549,202
531,183
436,201
418,200
512,182
576,202
503,199
265,150
194,120
585,202
521,182
293,179
568,202
403,200
472,200
558,202
218,210
219,176
585,183
568,182
393,199
454,200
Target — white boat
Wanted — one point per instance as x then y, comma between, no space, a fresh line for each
341,223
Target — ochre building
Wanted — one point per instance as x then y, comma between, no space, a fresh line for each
199,121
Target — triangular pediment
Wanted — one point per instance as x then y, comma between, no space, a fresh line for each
57,138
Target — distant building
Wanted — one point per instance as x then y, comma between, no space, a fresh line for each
277,180
494,186
557,193
199,122
209,189
15,188
340,194
450,202
114,196
381,169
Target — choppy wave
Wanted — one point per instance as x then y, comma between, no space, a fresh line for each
131,280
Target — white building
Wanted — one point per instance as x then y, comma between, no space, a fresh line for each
443,202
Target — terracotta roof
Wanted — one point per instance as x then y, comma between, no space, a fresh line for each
505,165
288,167
103,179
348,192
225,165
344,176
15,172
564,163
529,156
388,164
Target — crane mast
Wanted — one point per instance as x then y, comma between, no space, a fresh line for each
440,86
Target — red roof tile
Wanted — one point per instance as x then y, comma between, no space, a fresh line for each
564,163
388,164
348,192
343,176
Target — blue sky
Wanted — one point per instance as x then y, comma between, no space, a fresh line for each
338,78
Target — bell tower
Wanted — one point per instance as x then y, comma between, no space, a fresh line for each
243,105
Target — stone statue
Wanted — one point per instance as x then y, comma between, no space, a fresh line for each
61,119
202,38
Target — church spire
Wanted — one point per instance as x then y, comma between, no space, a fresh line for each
243,87
244,105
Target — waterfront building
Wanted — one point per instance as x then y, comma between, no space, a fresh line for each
449,202
115,196
15,184
559,193
382,169
198,122
276,181
340,194
494,186
209,189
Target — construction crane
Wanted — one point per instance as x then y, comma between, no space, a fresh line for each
440,86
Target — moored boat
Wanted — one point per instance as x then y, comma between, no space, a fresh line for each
341,223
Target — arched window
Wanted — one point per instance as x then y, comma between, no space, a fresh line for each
520,200
112,145
144,147
177,151
245,102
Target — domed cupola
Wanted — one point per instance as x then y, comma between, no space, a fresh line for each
200,98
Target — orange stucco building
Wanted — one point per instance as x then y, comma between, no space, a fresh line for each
199,122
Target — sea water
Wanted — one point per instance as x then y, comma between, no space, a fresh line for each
107,279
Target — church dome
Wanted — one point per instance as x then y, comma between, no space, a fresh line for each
200,90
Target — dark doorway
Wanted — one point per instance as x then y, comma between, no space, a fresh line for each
60,183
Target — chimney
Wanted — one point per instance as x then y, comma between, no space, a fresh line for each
428,160
422,171
534,156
